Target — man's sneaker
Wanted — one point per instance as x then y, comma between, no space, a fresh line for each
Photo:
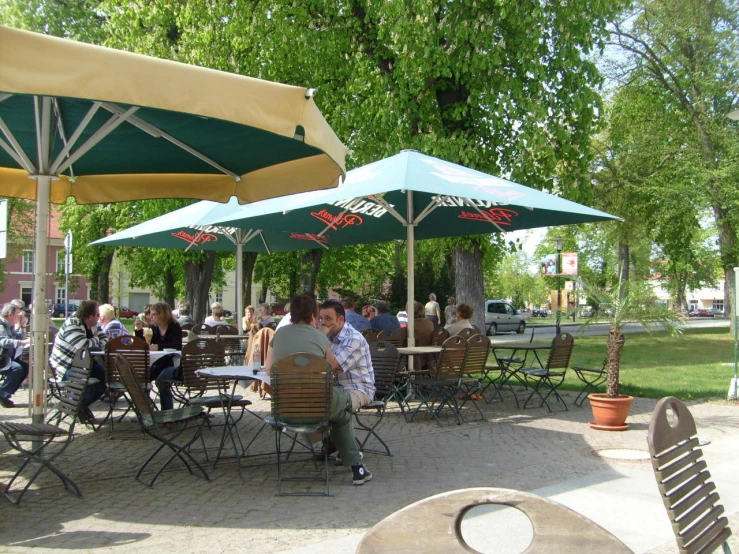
6,402
361,474
86,416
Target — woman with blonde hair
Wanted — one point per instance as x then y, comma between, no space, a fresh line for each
109,322
216,316
249,321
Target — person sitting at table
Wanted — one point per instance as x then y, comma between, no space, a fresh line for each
347,352
369,312
360,323
12,342
216,316
402,316
166,333
109,323
78,331
265,320
184,317
249,321
464,314
384,320
423,330
286,319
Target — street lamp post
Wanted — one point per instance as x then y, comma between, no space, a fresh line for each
559,282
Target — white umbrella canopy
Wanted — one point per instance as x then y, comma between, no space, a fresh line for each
103,125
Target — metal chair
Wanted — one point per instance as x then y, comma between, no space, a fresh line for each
440,391
385,359
396,337
39,437
370,335
683,479
551,376
515,362
592,378
136,351
302,386
473,370
203,329
233,345
469,332
165,426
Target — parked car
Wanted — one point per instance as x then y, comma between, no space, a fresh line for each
539,313
700,313
57,310
500,316
123,311
277,308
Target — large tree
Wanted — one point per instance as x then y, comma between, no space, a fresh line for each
505,88
685,50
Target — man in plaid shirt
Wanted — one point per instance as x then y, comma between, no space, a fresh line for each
354,377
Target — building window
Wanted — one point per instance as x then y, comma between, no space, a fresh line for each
27,295
219,297
60,255
28,261
718,305
60,296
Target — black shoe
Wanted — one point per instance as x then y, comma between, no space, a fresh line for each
327,449
361,474
86,416
6,402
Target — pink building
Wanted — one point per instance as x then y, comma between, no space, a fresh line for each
19,274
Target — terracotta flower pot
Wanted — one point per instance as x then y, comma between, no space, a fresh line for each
610,413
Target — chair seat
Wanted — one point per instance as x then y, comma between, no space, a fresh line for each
538,372
511,359
175,415
31,429
218,401
295,427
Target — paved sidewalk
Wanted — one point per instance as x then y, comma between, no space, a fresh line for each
548,454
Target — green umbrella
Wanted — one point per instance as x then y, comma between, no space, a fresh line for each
104,126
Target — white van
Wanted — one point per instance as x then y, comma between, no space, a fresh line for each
500,316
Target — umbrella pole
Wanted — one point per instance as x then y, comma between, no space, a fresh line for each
39,315
410,247
239,283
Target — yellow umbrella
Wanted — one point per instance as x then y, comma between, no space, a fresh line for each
103,125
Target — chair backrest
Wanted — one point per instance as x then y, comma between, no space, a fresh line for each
188,336
396,337
683,479
302,389
559,354
439,336
423,339
200,354
141,403
468,332
203,329
136,352
370,335
449,365
385,359
70,396
234,346
226,330
187,327
476,356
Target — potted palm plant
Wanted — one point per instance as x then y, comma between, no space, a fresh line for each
631,302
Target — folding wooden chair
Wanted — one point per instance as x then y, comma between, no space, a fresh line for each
370,335
592,378
32,440
551,376
203,329
136,351
440,391
468,332
689,495
397,337
473,370
385,360
233,345
302,386
516,362
165,426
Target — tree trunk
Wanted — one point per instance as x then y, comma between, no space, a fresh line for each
250,260
616,341
623,261
169,279
470,286
310,264
263,292
102,295
198,277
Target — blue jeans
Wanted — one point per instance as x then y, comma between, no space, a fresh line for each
163,376
93,392
14,376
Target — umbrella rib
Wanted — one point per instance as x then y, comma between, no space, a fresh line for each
337,218
107,128
486,216
43,132
264,242
75,136
380,200
430,208
60,128
156,132
5,96
15,151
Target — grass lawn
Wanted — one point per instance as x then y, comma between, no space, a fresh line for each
689,366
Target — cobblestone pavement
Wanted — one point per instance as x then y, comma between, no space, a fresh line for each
519,449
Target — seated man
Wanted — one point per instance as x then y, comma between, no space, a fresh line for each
11,343
384,320
359,322
78,331
352,367
265,320
185,310
109,323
